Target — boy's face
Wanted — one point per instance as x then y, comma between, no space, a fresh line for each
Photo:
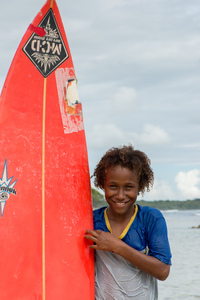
121,190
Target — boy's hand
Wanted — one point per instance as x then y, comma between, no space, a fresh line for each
103,240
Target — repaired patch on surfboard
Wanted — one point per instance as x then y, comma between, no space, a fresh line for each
49,51
70,106
6,188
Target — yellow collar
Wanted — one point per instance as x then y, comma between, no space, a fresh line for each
122,235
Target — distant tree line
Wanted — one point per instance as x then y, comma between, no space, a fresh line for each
99,201
173,204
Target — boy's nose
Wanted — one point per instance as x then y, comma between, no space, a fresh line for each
120,194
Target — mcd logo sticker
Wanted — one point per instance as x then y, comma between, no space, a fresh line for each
46,52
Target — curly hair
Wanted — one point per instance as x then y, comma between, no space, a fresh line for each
126,157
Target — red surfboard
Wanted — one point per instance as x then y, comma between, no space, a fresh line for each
45,194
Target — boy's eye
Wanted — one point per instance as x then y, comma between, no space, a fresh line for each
113,186
128,187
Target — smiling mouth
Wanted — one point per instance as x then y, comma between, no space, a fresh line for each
121,203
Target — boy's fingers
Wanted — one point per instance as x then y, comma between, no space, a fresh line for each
92,232
89,231
93,246
90,237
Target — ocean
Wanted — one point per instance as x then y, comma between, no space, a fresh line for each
184,279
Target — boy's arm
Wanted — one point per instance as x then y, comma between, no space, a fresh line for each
108,242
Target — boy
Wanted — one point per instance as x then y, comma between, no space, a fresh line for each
130,241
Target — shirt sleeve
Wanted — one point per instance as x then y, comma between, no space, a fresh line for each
158,242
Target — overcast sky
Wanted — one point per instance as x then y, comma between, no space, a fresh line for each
138,69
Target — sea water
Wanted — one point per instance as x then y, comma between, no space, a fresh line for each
184,279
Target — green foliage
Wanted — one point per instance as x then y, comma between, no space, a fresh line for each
99,201
165,205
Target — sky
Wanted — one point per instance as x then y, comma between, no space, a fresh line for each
138,68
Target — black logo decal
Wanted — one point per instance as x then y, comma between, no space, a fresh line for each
49,51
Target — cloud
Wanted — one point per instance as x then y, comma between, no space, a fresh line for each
108,135
188,183
153,135
105,136
124,99
161,191
192,145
